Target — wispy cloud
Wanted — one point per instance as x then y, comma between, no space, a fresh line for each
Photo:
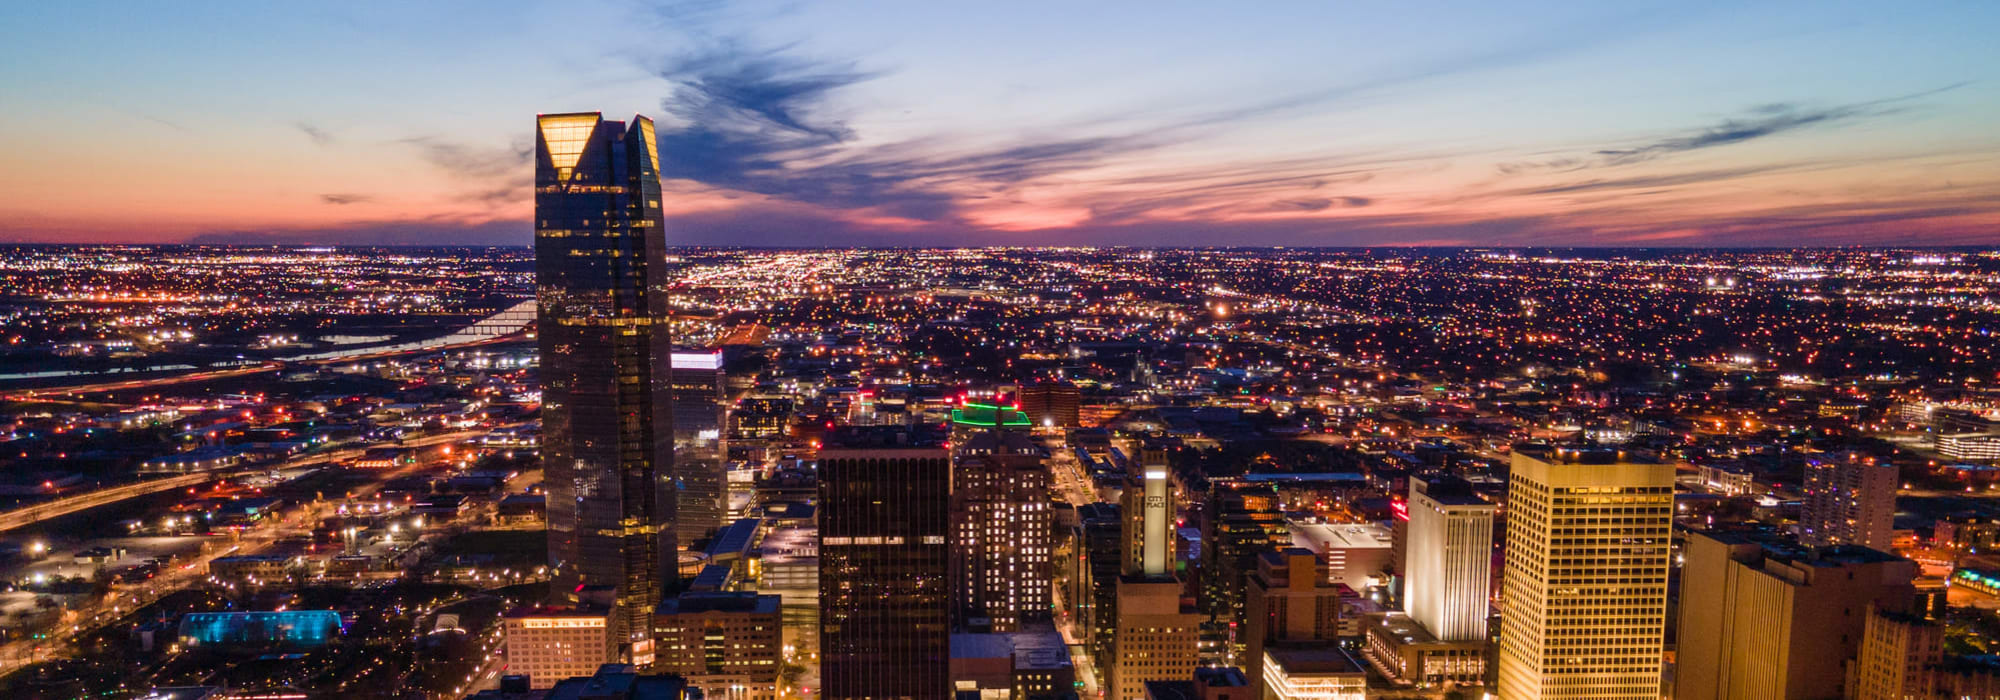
1763,121
345,198
1755,123
763,121
318,135
768,125
473,161
499,177
1650,181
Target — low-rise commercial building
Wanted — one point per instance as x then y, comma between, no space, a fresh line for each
552,644
728,644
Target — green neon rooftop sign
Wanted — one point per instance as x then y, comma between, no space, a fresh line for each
989,416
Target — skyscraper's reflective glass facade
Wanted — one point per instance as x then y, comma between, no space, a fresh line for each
607,424
884,560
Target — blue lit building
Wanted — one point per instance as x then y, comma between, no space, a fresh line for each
260,630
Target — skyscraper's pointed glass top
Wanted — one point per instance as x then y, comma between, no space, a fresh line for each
566,135
652,143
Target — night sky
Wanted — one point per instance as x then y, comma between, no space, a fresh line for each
1020,123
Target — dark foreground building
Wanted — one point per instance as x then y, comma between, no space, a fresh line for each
607,438
611,682
884,560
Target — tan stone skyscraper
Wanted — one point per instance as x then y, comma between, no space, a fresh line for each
1449,581
1156,636
1763,617
1584,604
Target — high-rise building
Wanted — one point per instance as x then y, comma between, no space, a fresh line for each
1052,404
1902,657
1896,658
1289,603
698,474
723,642
607,434
1240,522
1763,617
1448,586
884,563
550,644
1093,594
1002,536
1156,636
1849,501
975,418
1584,592
1147,506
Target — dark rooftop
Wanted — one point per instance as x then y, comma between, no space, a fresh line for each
864,437
1774,544
1579,454
1314,659
1452,491
719,601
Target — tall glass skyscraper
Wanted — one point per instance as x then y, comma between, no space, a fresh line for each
884,595
607,441
699,475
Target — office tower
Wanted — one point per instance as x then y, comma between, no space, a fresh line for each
1849,501
1240,522
1052,404
607,434
1584,590
1147,506
1763,617
884,563
977,418
698,473
1448,584
1897,658
724,642
1001,549
1289,603
1155,637
550,644
1094,598
1156,634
